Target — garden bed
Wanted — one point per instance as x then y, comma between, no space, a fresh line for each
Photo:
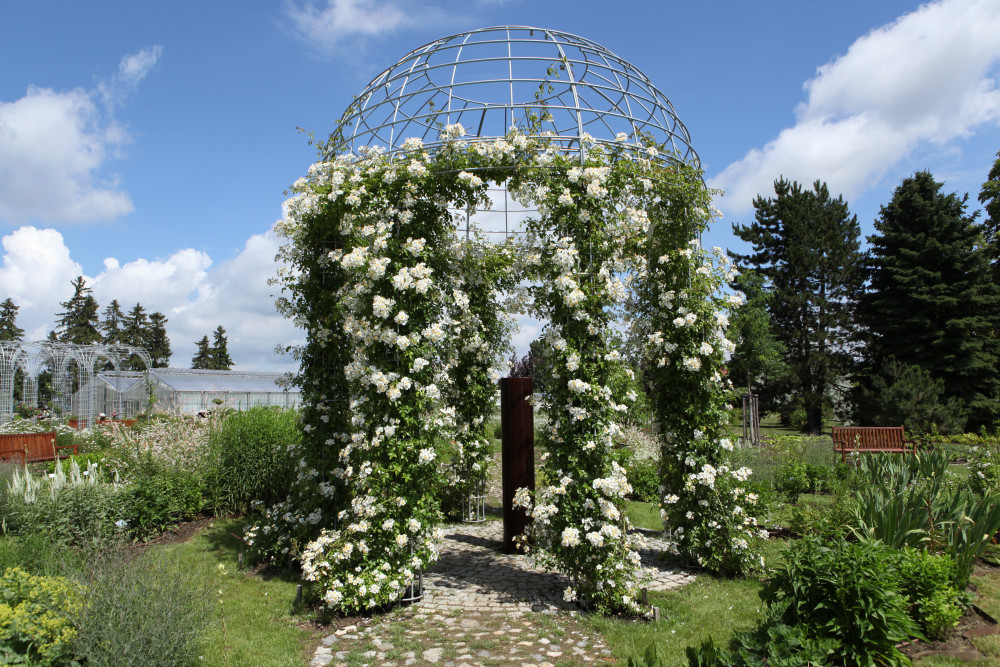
975,623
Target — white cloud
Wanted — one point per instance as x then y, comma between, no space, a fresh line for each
925,80
37,292
195,296
55,146
328,25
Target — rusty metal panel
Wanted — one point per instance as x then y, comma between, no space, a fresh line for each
517,423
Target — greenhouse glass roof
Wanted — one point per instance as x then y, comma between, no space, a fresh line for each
186,379
182,379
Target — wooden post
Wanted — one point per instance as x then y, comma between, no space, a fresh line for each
517,422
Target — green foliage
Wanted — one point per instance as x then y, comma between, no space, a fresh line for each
8,321
219,359
908,396
759,356
911,501
36,553
252,461
806,247
832,602
846,592
984,467
36,618
157,342
931,301
144,610
792,479
989,197
79,322
203,355
927,580
644,476
651,658
68,510
159,496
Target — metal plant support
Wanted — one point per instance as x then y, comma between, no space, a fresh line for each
474,505
547,83
493,78
63,360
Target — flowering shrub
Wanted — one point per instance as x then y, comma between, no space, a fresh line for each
403,328
984,467
680,316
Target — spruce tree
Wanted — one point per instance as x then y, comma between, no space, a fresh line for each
806,247
989,197
203,356
136,333
112,324
220,359
79,323
8,321
931,301
159,343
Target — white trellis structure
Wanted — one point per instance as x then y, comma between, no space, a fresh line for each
30,359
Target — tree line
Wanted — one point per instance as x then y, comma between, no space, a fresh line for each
83,323
906,332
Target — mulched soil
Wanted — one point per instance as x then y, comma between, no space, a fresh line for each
956,645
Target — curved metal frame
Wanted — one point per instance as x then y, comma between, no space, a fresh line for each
31,357
492,78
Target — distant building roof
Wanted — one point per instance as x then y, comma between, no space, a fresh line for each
120,381
188,379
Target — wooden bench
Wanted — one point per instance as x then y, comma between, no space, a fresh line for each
32,447
870,439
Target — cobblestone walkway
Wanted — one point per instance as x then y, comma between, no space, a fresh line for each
484,608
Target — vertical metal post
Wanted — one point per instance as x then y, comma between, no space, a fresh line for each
517,422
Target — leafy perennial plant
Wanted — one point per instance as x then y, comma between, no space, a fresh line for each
405,330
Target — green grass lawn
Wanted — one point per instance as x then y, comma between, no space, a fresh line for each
254,620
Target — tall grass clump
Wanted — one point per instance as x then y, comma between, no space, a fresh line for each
250,450
140,610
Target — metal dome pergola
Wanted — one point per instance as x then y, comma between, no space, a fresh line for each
490,79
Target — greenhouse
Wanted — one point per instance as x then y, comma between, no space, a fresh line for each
188,391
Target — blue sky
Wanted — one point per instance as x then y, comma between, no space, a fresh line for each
147,146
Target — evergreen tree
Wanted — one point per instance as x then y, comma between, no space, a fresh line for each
111,327
806,247
159,344
8,321
78,323
220,359
203,357
931,301
136,333
989,197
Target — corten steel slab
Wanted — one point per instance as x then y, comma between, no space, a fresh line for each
517,422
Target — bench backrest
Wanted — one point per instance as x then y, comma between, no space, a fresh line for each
28,447
868,437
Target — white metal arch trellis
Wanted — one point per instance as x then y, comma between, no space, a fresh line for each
31,358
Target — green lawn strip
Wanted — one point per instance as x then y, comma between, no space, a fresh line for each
689,615
253,620
644,515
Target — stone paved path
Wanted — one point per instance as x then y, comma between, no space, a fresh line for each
482,607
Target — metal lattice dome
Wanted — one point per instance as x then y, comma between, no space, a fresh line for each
493,78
